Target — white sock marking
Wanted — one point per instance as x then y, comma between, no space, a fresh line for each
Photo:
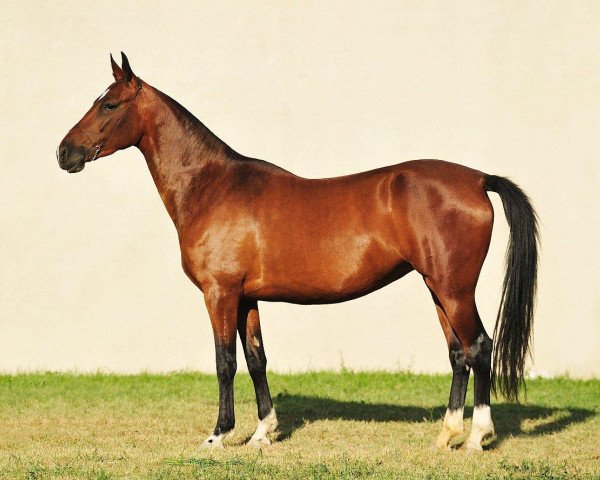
454,420
265,426
482,426
215,441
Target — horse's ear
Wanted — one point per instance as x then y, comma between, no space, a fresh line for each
117,71
126,68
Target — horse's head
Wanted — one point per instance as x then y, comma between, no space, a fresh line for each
111,124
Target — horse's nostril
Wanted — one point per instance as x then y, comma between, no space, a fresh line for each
62,153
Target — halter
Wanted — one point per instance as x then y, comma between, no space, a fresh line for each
99,147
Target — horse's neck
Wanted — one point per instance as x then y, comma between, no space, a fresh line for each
180,151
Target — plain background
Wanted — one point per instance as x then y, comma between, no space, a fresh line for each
90,277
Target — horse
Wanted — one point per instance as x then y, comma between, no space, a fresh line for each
251,231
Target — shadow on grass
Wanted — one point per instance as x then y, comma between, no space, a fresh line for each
293,411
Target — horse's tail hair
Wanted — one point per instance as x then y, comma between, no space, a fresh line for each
512,333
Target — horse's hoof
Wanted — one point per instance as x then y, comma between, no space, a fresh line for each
473,447
438,446
265,426
213,442
260,442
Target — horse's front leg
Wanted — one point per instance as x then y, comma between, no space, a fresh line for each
254,351
222,305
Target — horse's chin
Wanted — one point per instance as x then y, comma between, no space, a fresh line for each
78,167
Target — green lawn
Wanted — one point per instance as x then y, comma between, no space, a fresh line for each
332,425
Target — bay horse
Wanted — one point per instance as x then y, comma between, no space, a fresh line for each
250,230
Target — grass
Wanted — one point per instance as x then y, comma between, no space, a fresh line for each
332,425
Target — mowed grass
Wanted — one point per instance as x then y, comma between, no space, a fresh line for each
332,425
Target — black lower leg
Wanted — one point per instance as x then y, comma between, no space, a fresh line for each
226,367
250,335
257,366
481,353
460,376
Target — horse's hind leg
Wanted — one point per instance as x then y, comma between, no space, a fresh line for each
254,351
475,352
482,424
453,420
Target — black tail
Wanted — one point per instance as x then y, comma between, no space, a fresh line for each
515,316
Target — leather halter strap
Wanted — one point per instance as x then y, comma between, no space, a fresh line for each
100,146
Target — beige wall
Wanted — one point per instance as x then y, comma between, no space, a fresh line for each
90,276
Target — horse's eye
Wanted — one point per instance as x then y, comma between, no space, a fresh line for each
110,106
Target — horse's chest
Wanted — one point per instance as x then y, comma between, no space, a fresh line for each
223,257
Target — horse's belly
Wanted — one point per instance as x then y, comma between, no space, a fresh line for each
313,293
331,272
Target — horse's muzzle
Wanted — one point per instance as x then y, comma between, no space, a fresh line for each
71,158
